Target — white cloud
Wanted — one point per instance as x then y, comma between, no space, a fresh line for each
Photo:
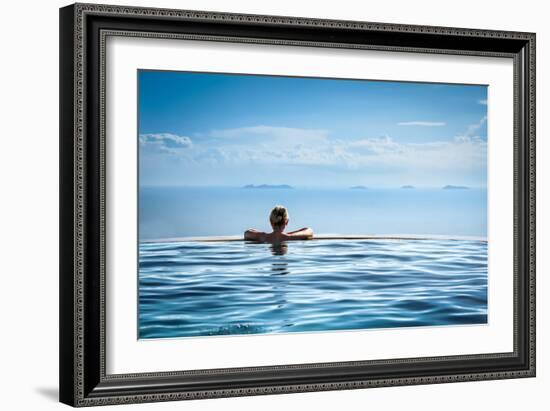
309,147
472,129
283,146
165,142
454,154
483,102
423,123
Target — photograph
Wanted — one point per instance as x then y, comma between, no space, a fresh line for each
278,204
280,201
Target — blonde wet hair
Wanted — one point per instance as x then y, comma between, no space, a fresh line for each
278,217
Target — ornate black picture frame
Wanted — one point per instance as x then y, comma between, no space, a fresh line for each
83,30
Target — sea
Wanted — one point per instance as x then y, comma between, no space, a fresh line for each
170,212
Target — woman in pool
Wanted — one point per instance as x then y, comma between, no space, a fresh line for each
279,220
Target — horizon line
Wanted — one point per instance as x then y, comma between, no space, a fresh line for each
347,187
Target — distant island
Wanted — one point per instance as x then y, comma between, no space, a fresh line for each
408,187
283,186
451,187
358,188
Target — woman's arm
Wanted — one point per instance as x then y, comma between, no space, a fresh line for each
254,235
305,233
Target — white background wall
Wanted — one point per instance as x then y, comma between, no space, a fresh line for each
29,204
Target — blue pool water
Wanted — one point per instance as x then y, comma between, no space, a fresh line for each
200,289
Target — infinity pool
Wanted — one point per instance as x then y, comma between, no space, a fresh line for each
189,289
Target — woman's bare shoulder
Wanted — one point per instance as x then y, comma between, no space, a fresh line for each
254,235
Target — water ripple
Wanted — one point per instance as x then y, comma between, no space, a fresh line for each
200,289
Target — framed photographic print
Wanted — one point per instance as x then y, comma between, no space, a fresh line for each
262,204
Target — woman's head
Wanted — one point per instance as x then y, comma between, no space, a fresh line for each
278,217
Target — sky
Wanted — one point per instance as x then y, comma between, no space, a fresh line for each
208,129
